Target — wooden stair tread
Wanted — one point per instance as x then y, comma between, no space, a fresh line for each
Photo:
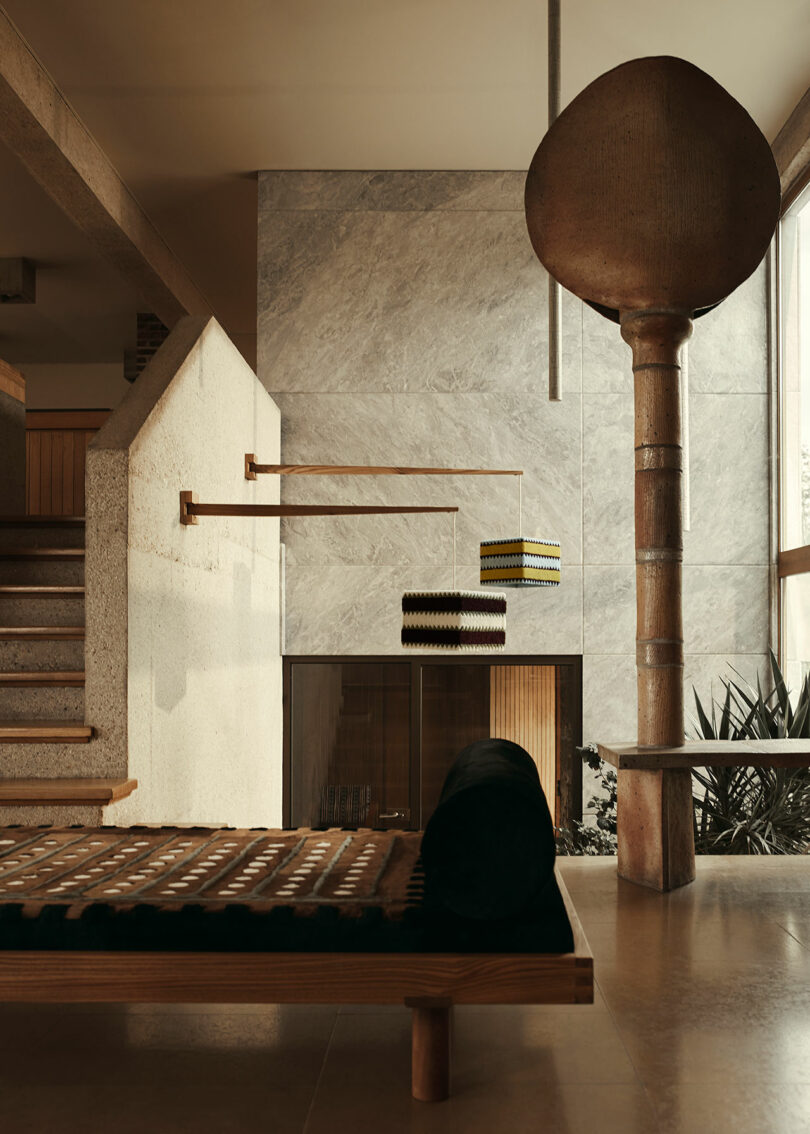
41,521
88,791
40,633
49,554
22,679
45,732
26,590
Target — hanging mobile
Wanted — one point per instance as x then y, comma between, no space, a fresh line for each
454,620
522,561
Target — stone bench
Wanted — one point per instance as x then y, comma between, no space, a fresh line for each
654,800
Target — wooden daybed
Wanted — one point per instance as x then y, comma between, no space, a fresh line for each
196,915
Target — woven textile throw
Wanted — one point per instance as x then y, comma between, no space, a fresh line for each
520,562
454,620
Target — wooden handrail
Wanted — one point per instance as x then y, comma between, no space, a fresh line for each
253,468
190,509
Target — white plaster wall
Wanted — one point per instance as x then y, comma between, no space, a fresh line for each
183,654
402,319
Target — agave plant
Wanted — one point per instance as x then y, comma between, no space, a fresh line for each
753,810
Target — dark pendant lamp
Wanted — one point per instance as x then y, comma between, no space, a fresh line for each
468,621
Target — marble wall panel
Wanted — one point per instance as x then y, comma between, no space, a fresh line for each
415,300
403,320
728,350
457,430
729,479
402,190
705,673
607,361
358,610
609,697
725,608
609,609
607,476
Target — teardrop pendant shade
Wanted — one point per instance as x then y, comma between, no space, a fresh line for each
454,620
654,188
520,562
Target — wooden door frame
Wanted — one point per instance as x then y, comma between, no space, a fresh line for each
570,808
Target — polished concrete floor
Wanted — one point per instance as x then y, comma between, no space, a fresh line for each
701,1024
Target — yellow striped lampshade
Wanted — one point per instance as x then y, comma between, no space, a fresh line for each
520,562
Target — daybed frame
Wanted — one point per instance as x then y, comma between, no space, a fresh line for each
427,983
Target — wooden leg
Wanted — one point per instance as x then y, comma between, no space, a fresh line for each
430,1052
654,828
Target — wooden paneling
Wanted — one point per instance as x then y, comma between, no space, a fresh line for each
12,382
523,709
453,702
351,727
55,456
455,713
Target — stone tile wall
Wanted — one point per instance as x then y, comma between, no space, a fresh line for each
402,320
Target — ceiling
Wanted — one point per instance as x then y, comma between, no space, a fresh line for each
190,97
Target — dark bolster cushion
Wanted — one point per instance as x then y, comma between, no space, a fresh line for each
488,849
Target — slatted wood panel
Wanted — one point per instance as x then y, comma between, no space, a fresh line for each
55,456
523,709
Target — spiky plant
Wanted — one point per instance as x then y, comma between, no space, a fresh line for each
753,810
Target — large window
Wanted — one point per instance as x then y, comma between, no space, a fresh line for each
794,441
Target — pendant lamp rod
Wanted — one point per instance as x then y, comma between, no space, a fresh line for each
454,551
554,289
253,469
190,509
687,480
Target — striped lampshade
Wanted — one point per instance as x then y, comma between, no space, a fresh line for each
520,562
454,620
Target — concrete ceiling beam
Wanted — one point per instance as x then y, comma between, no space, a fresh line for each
791,148
42,129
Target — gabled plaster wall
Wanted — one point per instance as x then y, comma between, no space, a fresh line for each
183,659
402,320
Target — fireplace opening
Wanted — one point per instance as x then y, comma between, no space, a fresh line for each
368,741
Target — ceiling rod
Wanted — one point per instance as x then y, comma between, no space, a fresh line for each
554,289
190,509
253,468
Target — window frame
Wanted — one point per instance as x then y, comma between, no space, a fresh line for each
795,560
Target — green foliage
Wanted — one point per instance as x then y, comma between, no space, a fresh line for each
753,810
736,810
584,838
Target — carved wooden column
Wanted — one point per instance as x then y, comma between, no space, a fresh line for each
656,841
652,197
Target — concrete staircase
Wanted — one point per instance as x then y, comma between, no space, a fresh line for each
47,772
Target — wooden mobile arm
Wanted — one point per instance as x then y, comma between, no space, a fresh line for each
190,509
253,469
